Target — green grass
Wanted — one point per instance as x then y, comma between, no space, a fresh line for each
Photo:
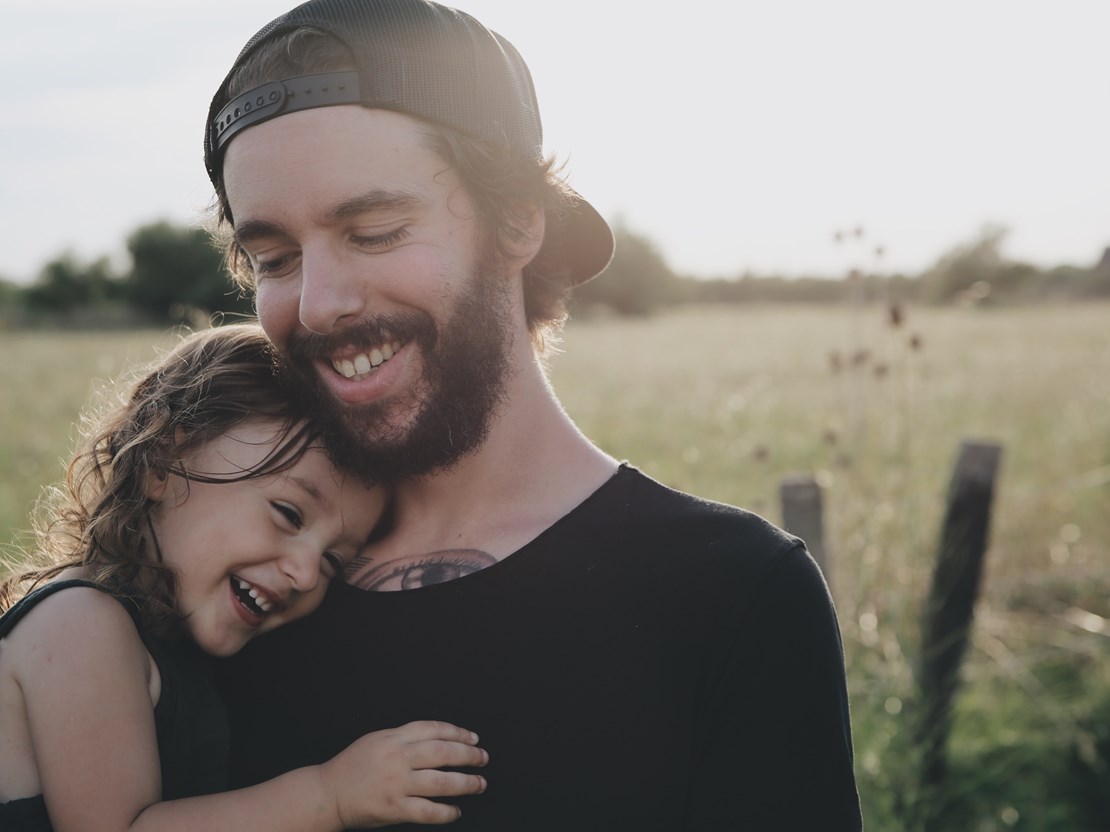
725,402
47,377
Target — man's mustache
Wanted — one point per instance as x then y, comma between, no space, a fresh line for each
418,326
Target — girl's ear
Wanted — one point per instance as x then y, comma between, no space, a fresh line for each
155,486
158,478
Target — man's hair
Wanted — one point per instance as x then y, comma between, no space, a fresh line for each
503,185
100,520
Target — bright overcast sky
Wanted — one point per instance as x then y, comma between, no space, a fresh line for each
738,140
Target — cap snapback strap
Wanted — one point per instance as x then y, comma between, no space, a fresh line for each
279,97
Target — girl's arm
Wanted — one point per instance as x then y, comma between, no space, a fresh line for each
86,680
382,778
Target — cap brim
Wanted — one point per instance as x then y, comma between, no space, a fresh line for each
579,242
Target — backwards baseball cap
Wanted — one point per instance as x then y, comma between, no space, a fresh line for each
433,62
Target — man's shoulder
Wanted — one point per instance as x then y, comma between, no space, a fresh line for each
664,524
663,509
713,561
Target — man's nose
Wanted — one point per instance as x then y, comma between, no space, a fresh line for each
332,291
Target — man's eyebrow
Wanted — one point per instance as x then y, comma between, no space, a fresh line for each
250,230
377,200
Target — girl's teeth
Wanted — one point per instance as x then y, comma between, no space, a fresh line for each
256,596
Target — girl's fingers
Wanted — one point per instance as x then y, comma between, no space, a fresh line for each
438,753
419,810
434,783
429,729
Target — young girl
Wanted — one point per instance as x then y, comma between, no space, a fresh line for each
203,513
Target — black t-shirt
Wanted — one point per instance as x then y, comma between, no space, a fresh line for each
652,661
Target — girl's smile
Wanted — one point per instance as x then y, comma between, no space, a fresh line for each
252,554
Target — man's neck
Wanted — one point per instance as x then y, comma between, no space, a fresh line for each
534,467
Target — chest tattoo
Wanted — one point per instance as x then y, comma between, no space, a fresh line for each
415,571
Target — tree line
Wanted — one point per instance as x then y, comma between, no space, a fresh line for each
976,272
176,274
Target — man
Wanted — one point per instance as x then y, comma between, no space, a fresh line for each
631,657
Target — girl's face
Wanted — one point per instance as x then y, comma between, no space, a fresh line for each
253,554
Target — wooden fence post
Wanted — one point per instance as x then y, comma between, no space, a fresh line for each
950,605
800,496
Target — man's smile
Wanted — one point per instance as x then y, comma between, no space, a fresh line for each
361,364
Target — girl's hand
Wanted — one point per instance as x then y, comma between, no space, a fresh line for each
387,777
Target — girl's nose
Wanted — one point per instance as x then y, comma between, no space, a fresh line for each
302,567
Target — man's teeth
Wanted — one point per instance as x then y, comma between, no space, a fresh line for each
259,599
364,362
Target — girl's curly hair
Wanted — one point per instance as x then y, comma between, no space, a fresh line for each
99,519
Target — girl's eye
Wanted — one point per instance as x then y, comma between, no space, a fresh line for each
334,562
290,514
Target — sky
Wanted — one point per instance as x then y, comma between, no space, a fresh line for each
737,136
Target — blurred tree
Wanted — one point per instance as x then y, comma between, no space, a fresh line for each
9,292
1100,276
177,274
749,288
66,285
1015,280
637,282
1064,283
964,266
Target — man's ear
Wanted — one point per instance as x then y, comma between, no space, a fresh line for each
529,225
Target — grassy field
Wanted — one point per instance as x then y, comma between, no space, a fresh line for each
726,402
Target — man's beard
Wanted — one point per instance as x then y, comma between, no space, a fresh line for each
465,364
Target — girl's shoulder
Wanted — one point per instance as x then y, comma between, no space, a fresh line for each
67,622
61,600
80,695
